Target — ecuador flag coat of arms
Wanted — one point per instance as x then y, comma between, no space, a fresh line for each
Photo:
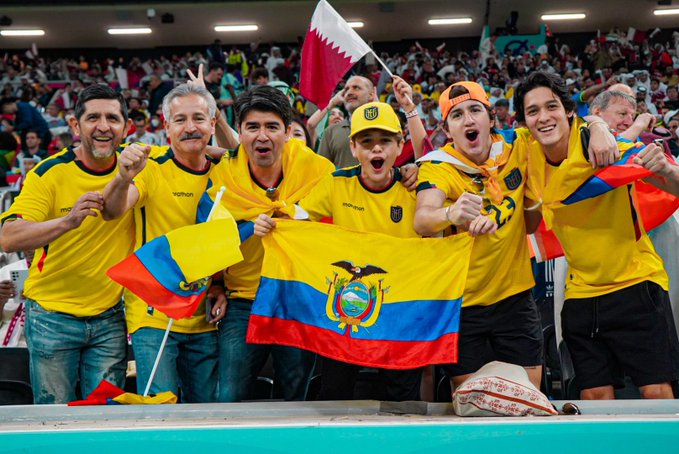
363,298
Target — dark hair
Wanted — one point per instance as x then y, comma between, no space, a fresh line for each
98,91
136,115
259,72
7,141
263,98
539,79
34,131
7,100
307,137
215,65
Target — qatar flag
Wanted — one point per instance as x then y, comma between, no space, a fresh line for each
330,49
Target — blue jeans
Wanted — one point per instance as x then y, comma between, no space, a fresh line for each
240,362
64,348
189,362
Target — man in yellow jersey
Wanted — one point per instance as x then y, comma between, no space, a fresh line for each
368,198
616,317
164,191
478,184
75,326
268,173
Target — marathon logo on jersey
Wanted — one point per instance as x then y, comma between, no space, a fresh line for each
182,194
513,180
65,210
371,113
396,213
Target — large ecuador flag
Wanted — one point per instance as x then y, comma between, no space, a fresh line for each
331,48
171,272
362,298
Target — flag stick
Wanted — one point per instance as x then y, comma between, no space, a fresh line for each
158,356
386,69
381,63
218,199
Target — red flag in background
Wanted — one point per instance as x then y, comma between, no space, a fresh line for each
330,49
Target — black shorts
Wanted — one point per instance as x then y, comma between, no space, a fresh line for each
508,331
630,331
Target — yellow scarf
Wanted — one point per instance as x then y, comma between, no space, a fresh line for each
498,157
302,169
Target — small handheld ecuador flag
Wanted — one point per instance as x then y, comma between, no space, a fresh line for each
170,273
362,298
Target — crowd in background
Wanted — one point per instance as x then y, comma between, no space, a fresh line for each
38,94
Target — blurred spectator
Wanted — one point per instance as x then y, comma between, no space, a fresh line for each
215,53
26,117
274,61
52,116
672,100
157,91
259,76
673,142
141,133
502,118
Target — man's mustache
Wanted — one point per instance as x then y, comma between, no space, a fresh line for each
193,135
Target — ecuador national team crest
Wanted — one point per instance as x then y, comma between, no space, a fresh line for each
371,113
354,301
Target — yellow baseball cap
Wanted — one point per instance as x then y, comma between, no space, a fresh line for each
375,115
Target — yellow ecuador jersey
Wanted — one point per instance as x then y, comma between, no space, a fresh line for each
68,275
168,198
606,248
245,199
343,196
500,263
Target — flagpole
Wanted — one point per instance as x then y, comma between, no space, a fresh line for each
158,356
386,69
381,63
218,199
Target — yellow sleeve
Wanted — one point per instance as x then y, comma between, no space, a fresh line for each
35,202
318,203
434,175
145,183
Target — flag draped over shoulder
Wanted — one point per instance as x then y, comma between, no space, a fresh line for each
653,205
362,298
302,168
331,48
170,273
580,182
620,173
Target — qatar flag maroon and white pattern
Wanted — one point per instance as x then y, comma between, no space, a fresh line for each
330,49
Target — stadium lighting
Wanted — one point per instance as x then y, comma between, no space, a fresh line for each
356,24
451,21
666,12
236,28
568,16
27,32
129,31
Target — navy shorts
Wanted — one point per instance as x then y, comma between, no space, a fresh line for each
508,331
627,332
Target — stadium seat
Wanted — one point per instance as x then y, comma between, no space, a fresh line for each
15,381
